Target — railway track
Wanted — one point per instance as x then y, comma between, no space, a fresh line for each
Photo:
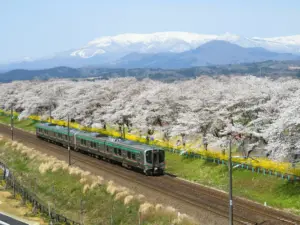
203,198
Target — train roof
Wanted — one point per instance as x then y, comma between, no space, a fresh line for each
126,143
58,129
110,141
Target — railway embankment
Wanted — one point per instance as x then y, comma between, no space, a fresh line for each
79,195
259,187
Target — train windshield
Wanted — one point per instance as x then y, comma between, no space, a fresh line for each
161,156
149,156
155,156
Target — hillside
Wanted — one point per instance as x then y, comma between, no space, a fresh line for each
212,53
267,68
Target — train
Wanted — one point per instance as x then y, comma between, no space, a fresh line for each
147,159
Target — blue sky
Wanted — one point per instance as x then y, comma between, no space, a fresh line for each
38,28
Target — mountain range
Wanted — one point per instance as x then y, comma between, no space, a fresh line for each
168,50
271,69
211,53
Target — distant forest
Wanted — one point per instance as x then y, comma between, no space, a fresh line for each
268,68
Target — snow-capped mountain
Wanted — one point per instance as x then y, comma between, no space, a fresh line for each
107,51
214,52
179,42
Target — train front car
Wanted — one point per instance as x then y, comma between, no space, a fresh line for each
154,162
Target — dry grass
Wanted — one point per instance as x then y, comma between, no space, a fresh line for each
90,182
128,199
83,180
146,208
14,207
86,187
121,195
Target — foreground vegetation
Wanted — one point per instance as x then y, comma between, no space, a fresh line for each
12,206
79,195
258,187
27,125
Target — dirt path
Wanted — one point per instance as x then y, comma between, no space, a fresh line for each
13,208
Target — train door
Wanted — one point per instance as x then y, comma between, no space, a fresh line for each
155,159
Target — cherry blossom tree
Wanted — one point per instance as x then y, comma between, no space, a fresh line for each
264,111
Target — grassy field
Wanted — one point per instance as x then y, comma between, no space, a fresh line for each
23,124
261,188
64,190
258,187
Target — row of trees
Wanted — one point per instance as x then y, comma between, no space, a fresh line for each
265,111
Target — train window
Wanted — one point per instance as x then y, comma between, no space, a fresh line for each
116,151
82,142
161,156
133,156
129,155
93,145
155,157
119,151
149,156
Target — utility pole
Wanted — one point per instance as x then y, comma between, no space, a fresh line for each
12,123
50,114
112,214
49,211
81,212
69,151
14,187
123,131
35,184
230,185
